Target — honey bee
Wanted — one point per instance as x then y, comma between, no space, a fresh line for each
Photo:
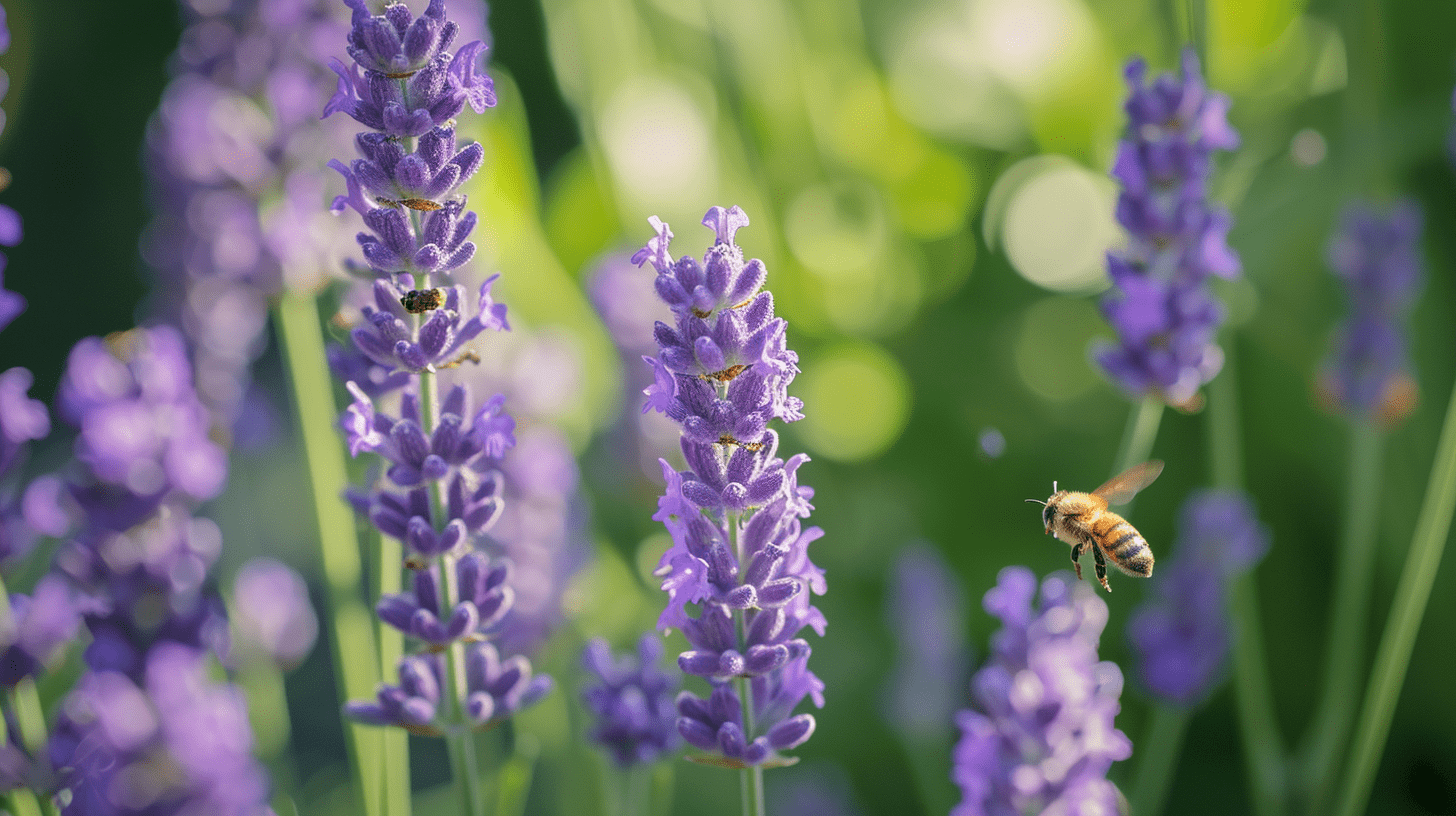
1083,521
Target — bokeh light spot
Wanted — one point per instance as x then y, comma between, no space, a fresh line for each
658,142
1057,224
856,402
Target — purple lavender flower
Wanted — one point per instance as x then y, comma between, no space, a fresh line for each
1181,633
1165,316
1041,737
1378,256
271,612
632,700
444,458
171,742
739,548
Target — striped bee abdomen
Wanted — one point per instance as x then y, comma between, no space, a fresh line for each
1124,546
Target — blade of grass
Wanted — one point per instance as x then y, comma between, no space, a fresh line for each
351,626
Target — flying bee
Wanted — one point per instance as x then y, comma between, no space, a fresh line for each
1083,521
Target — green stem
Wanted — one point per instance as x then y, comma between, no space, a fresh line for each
1345,652
1159,754
1263,747
751,781
636,790
351,626
1409,607
459,737
1142,431
396,775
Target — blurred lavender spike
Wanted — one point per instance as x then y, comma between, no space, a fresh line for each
1041,737
1160,306
1181,633
926,609
1377,255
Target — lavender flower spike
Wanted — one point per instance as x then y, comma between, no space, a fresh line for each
633,702
442,456
1378,256
1160,306
740,550
1041,737
1181,633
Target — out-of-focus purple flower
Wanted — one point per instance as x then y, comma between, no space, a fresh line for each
271,612
926,608
22,419
1377,254
1041,737
740,550
1181,632
632,700
141,427
40,624
11,303
1165,316
173,742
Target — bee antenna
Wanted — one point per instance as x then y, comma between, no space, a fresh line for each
1037,501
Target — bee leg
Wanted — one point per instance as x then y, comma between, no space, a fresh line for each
1101,567
1077,554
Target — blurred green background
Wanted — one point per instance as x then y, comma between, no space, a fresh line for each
927,182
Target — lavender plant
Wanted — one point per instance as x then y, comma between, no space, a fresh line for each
739,551
1165,316
1368,379
1041,739
443,489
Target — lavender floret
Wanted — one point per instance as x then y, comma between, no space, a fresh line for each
1377,254
1041,737
632,699
1160,305
1181,633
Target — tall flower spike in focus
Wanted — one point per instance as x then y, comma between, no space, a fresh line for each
1181,633
1377,254
739,548
442,488
1041,737
1160,305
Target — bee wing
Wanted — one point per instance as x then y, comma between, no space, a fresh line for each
1121,488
